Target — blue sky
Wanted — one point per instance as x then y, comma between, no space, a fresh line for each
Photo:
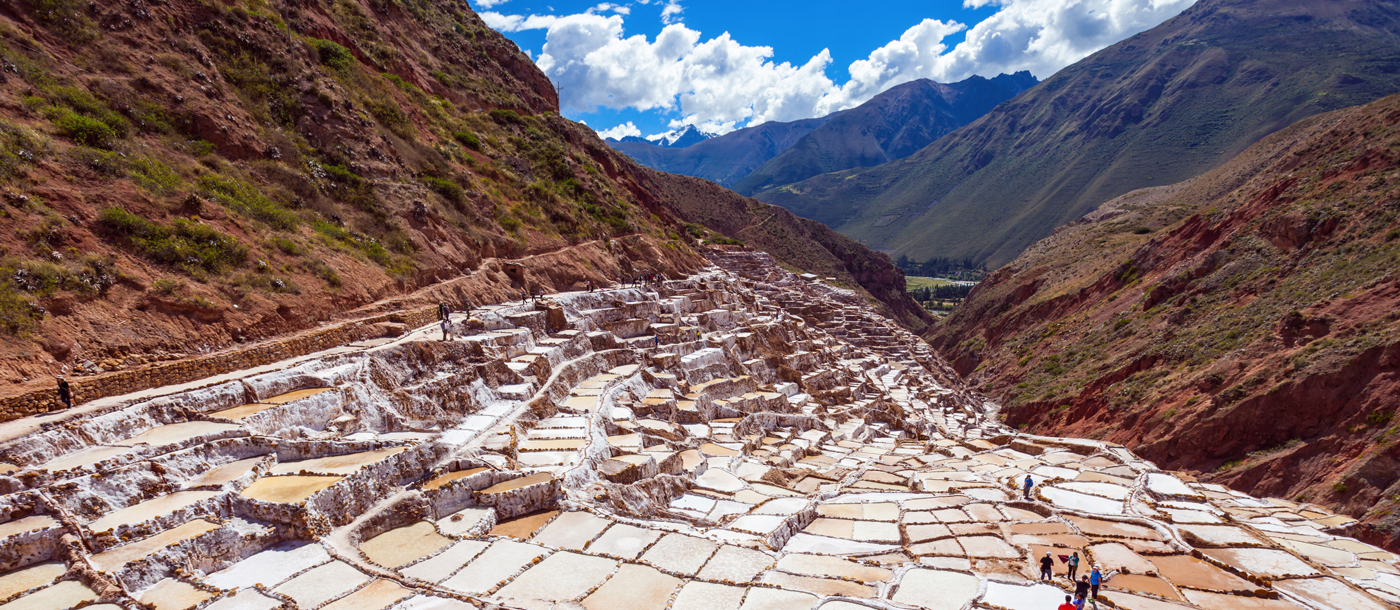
646,67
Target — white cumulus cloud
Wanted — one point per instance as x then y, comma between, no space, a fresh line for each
489,3
621,131
720,84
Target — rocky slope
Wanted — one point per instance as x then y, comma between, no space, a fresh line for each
185,176
892,125
1155,109
1241,324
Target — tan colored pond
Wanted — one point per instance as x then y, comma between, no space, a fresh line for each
222,475
444,479
523,527
171,594
1187,571
24,579
26,524
289,489
1103,527
150,509
61,596
86,457
243,411
522,482
108,561
634,587
378,594
297,395
1143,584
403,545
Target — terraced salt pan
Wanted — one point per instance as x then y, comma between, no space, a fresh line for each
1187,571
571,531
1329,593
403,545
777,599
831,567
245,600
563,576
502,560
1206,599
1022,597
150,509
1115,492
1073,500
700,595
819,586
270,567
322,583
1144,584
289,489
936,589
1269,563
112,559
171,594
337,464
24,579
1116,557
61,596
222,475
680,554
86,457
178,433
523,527
378,594
1324,555
634,586
443,479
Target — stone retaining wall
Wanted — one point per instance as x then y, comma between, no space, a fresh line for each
202,367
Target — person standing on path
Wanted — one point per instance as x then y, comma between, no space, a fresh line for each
1073,565
1047,568
1026,487
1067,605
65,393
1095,578
446,329
1081,588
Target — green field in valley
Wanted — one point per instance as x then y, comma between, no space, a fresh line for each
915,283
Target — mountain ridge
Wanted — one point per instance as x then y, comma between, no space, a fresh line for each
1157,108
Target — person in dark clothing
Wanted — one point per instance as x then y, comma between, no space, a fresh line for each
1081,588
442,311
1047,568
65,394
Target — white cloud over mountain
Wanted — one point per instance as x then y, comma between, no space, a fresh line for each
720,84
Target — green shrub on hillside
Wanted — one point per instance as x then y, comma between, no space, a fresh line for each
190,246
19,146
447,188
245,199
85,130
331,53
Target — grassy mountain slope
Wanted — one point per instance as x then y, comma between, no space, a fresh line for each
723,159
1242,324
1155,109
892,125
184,176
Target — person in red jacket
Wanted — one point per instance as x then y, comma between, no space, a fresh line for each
1068,605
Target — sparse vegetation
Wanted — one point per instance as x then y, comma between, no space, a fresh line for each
187,245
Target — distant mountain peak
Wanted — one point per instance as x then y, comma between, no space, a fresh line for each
681,138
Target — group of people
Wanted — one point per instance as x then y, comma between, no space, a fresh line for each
445,317
646,279
1086,589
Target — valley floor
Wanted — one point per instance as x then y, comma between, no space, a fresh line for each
736,439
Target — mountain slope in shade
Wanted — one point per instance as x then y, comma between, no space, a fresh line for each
892,125
1157,108
1242,324
722,159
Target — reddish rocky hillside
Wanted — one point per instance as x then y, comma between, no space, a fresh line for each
184,176
1242,324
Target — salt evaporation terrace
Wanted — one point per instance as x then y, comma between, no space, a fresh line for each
741,439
